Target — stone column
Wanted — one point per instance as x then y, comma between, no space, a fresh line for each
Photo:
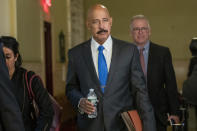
77,22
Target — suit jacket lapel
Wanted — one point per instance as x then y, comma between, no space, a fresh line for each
87,54
114,61
150,62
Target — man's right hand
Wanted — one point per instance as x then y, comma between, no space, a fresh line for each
86,106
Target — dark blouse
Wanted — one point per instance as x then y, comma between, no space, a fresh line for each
44,121
193,62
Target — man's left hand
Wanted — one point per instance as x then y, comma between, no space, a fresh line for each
175,118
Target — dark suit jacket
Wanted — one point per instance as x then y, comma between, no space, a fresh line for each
161,82
10,115
189,87
193,62
125,74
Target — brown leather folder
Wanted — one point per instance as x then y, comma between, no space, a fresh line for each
132,120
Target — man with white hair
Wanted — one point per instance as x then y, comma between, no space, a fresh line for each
156,62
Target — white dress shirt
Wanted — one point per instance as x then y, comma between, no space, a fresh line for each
107,52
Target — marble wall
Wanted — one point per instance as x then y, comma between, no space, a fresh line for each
77,22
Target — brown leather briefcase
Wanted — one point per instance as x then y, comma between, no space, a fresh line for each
132,120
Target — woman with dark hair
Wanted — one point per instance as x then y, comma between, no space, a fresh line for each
189,89
189,85
17,76
193,60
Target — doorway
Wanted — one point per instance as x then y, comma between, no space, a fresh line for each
48,57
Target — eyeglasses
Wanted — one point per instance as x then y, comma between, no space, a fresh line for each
137,29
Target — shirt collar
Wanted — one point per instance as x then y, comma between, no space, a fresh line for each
146,46
107,44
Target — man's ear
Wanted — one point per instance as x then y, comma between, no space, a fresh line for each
88,25
149,32
111,21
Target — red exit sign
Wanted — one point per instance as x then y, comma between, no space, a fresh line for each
46,4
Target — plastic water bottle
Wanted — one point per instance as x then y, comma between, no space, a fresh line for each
93,99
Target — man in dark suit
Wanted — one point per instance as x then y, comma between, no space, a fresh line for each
10,115
158,69
124,74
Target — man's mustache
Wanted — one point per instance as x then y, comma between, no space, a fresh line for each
102,30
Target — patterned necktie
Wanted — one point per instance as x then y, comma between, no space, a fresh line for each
102,68
142,60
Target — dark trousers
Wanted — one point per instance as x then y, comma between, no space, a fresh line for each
160,126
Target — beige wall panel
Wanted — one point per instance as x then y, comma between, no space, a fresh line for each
59,23
28,29
5,17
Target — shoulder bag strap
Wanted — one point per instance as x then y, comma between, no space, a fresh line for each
28,83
